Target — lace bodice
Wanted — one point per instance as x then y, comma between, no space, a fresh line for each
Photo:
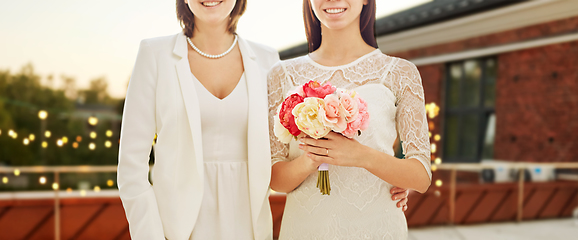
399,76
360,205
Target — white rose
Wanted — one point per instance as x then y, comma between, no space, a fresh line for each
282,134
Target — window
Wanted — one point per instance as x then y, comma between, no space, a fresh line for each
470,120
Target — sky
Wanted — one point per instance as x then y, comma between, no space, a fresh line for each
92,39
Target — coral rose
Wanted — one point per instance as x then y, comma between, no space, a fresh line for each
314,89
286,113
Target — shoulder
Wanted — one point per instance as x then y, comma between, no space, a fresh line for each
262,48
159,43
265,54
285,66
402,64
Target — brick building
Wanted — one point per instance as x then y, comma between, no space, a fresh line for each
504,73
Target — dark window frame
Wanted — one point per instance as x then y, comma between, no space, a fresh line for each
482,111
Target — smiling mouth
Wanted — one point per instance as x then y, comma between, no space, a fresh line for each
335,10
211,4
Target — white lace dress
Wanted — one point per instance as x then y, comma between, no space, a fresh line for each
360,205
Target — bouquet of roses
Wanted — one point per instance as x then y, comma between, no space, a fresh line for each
315,110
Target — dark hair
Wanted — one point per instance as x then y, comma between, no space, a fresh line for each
187,19
313,25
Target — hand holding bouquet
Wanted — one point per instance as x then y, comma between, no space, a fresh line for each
315,110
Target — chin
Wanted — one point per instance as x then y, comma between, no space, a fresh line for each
337,25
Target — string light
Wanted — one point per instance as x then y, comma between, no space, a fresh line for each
65,140
438,161
15,135
44,144
92,121
433,148
78,138
434,168
69,190
109,133
93,135
75,145
437,137
59,142
439,183
17,172
0,132
42,180
42,114
109,182
91,146
10,132
5,180
432,109
47,134
107,144
26,141
55,186
82,193
96,188
31,137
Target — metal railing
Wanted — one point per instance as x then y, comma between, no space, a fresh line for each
57,170
452,167
517,166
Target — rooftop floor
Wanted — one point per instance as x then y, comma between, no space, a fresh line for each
528,230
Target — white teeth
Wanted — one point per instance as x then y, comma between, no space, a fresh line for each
335,10
210,4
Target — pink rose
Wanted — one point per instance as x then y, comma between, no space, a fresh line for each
314,89
350,105
349,132
286,116
360,123
333,114
362,104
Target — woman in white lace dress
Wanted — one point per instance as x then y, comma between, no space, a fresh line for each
362,170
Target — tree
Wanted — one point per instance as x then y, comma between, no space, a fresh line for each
22,96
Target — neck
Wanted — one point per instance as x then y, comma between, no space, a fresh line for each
212,38
342,44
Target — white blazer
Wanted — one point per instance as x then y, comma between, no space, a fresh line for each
161,99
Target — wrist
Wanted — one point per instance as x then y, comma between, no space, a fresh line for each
307,164
371,157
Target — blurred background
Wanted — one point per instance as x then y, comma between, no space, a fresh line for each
500,79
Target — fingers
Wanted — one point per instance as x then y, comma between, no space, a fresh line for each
320,158
402,204
315,150
322,143
398,190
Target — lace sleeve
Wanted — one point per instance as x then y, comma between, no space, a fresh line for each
410,117
275,79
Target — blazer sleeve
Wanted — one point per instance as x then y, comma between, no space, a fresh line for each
137,133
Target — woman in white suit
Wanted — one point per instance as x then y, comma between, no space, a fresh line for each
203,92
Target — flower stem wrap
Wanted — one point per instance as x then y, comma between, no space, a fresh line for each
323,179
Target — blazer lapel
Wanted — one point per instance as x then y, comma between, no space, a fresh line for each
259,154
191,102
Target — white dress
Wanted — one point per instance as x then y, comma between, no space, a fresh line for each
225,211
360,205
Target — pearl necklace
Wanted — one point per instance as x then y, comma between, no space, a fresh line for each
209,55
